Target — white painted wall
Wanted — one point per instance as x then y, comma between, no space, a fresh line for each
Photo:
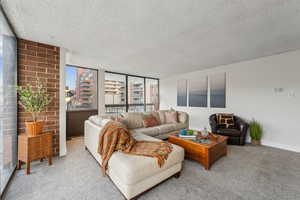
62,105
250,94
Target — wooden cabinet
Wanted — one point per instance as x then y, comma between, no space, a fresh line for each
31,148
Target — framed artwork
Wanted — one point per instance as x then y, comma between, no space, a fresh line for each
198,92
182,93
218,90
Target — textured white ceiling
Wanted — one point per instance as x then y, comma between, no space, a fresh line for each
160,38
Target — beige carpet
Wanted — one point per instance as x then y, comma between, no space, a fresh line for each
256,173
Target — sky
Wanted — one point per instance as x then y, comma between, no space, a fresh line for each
70,74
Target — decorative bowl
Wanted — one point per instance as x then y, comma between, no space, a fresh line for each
191,132
183,132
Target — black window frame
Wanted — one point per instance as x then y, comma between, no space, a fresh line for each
126,88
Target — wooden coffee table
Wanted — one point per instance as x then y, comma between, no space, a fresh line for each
205,154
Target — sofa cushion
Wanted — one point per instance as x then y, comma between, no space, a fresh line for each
96,119
150,121
171,117
225,120
229,132
154,114
179,126
166,128
151,131
162,116
130,169
122,121
182,117
134,119
109,116
99,121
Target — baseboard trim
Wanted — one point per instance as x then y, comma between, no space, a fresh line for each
281,146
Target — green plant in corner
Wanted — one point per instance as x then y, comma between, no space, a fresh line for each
256,132
34,101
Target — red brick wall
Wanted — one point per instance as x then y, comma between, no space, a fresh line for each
40,61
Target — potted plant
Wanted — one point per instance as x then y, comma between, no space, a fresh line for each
34,100
256,132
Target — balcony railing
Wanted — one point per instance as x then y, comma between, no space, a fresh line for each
121,108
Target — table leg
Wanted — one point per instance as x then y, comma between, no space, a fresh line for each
27,167
50,160
19,164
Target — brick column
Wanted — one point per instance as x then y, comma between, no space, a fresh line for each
38,61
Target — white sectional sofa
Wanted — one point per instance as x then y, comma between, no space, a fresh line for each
134,122
128,171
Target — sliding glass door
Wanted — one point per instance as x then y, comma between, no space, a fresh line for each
8,102
81,96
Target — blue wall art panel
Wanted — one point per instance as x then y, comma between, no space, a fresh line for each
218,90
182,93
198,92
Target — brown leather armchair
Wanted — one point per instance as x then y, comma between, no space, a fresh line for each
237,135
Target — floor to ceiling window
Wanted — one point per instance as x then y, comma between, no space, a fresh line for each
115,93
8,102
81,96
152,94
129,93
136,94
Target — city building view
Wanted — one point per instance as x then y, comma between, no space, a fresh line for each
140,97
115,92
81,88
136,94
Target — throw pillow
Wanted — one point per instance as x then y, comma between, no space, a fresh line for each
133,119
122,121
182,117
162,117
171,117
225,120
154,114
150,121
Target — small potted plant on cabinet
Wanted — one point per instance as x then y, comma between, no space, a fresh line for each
34,100
256,132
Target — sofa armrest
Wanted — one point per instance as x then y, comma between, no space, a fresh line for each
242,126
213,124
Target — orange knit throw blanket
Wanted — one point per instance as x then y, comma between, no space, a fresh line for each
114,137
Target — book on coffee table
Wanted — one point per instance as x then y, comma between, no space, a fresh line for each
187,136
